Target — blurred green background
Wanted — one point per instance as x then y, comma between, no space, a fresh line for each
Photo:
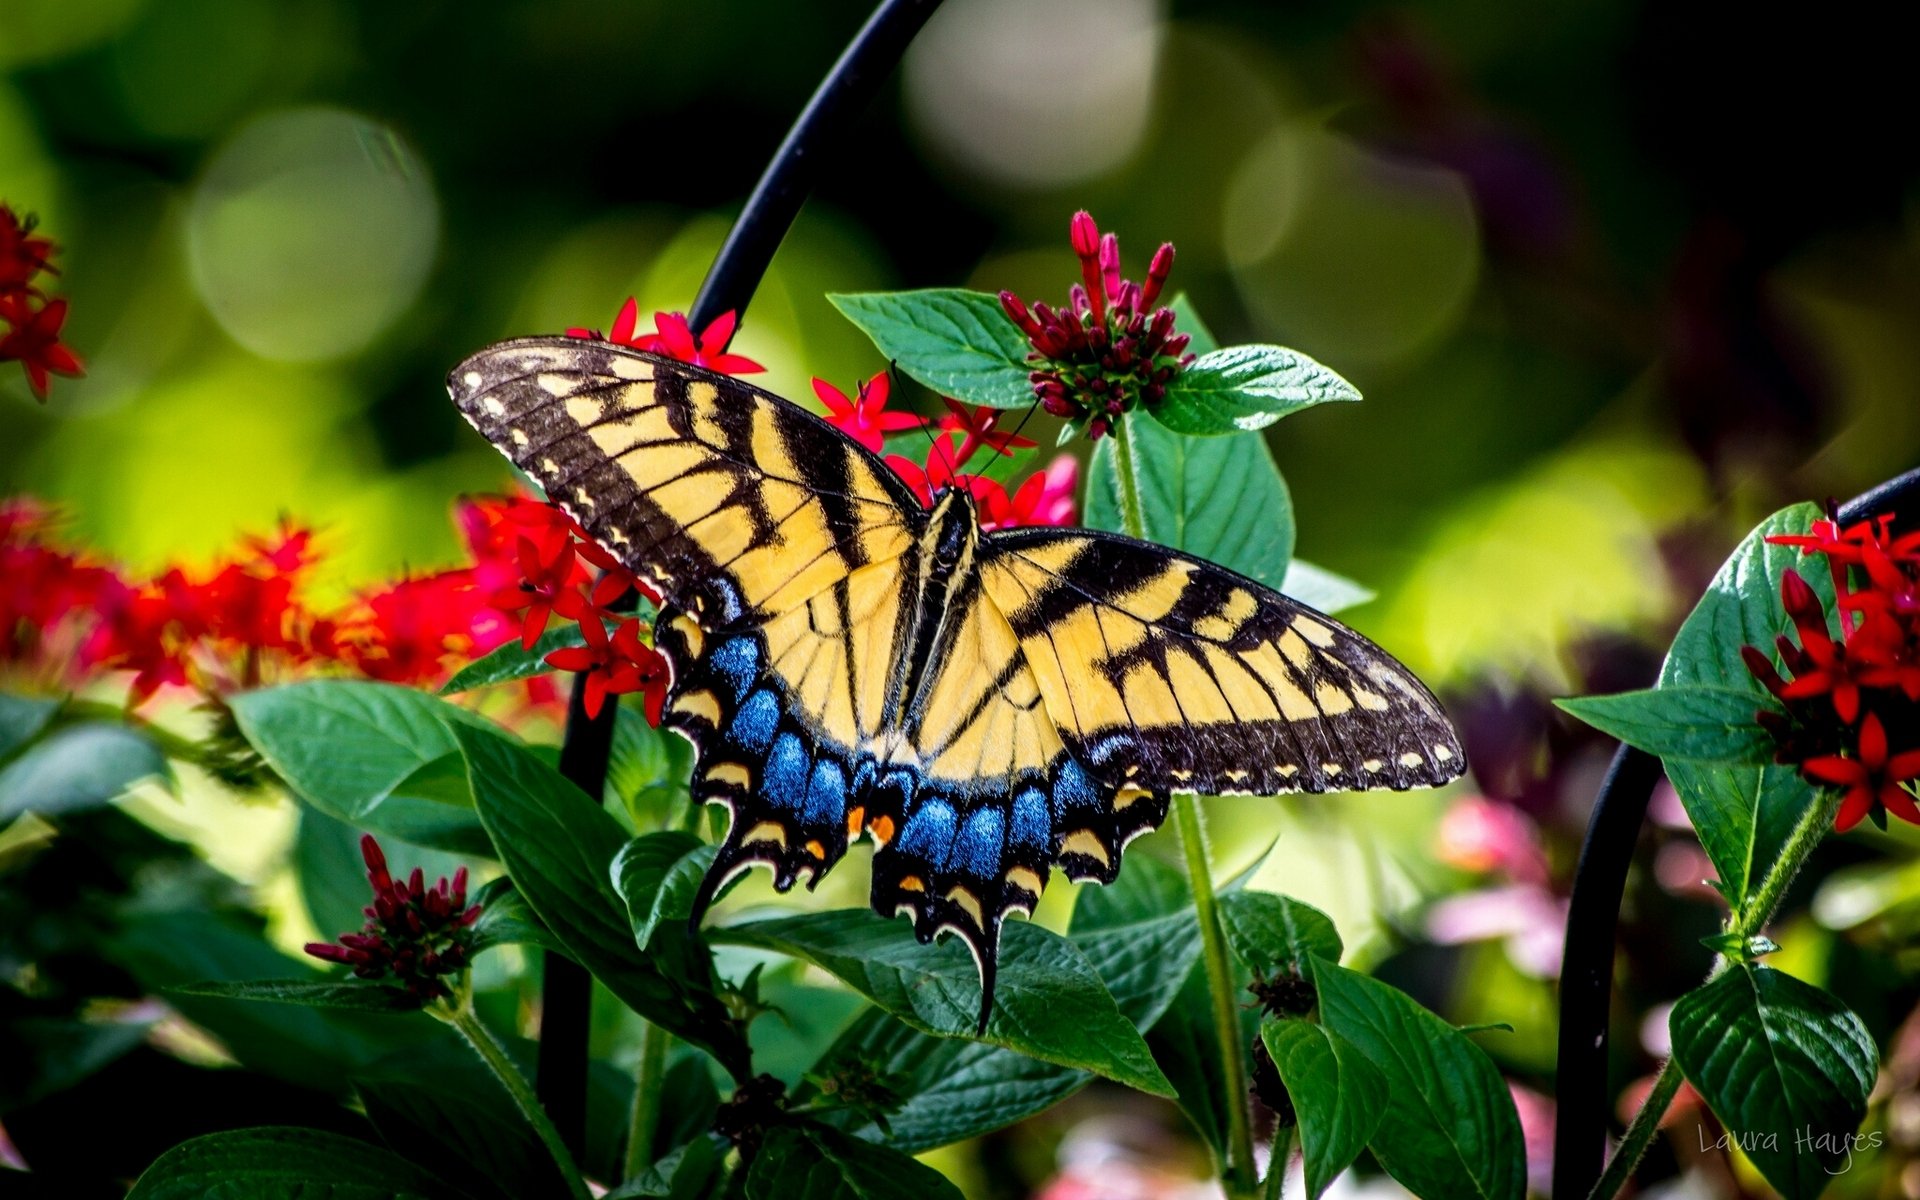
1616,278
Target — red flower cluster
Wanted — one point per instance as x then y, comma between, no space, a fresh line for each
245,620
864,418
673,338
1852,705
1046,498
420,935
29,320
1109,349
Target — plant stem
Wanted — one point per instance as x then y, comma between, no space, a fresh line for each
1237,1171
1750,921
461,1016
1276,1185
645,1119
1131,514
1238,1175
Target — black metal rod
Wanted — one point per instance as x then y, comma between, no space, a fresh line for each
1593,920
870,58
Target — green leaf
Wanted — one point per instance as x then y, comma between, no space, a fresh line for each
1220,498
558,845
471,1136
951,1089
78,767
1275,934
1243,388
957,342
1743,813
1339,1097
506,919
1695,723
657,875
1449,1127
510,660
648,769
377,756
1785,1066
284,1163
317,1048
361,996
22,718
685,1174
1140,934
811,1161
1317,587
1186,1046
1049,1002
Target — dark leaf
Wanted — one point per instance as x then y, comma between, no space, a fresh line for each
284,1163
657,875
355,995
815,1162
509,661
1785,1066
1338,1096
78,767
22,718
1049,1002
1449,1129
1274,934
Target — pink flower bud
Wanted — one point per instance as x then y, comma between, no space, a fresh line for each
1084,234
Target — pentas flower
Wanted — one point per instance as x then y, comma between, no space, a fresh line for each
673,337
29,320
418,935
977,427
1109,349
928,478
615,666
1046,498
864,418
1849,713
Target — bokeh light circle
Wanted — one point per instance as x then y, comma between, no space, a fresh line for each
1356,257
311,231
1036,93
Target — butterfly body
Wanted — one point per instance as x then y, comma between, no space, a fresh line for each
983,706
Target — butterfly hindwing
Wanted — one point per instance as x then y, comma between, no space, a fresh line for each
1164,671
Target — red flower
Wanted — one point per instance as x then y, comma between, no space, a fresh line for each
865,419
418,934
673,338
1109,348
1821,667
547,585
22,256
34,340
1046,498
1872,778
976,426
616,666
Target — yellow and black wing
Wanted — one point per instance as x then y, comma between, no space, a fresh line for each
737,504
777,543
1165,672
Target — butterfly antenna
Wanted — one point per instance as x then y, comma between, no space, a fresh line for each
1027,416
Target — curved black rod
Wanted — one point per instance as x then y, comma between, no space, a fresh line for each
1593,918
870,58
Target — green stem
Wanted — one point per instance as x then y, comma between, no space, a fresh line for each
459,1014
1750,921
1237,1172
1226,1018
1276,1186
645,1119
1131,514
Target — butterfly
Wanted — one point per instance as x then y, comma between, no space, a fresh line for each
983,706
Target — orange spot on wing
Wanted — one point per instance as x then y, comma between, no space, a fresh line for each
881,827
854,818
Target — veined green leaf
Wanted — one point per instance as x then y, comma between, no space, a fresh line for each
657,874
285,1163
810,1161
510,660
357,996
1785,1066
1693,722
959,343
1237,389
1275,934
1339,1097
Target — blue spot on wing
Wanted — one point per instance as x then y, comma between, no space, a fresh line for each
737,660
756,722
977,850
826,796
1072,790
1032,829
785,781
929,832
